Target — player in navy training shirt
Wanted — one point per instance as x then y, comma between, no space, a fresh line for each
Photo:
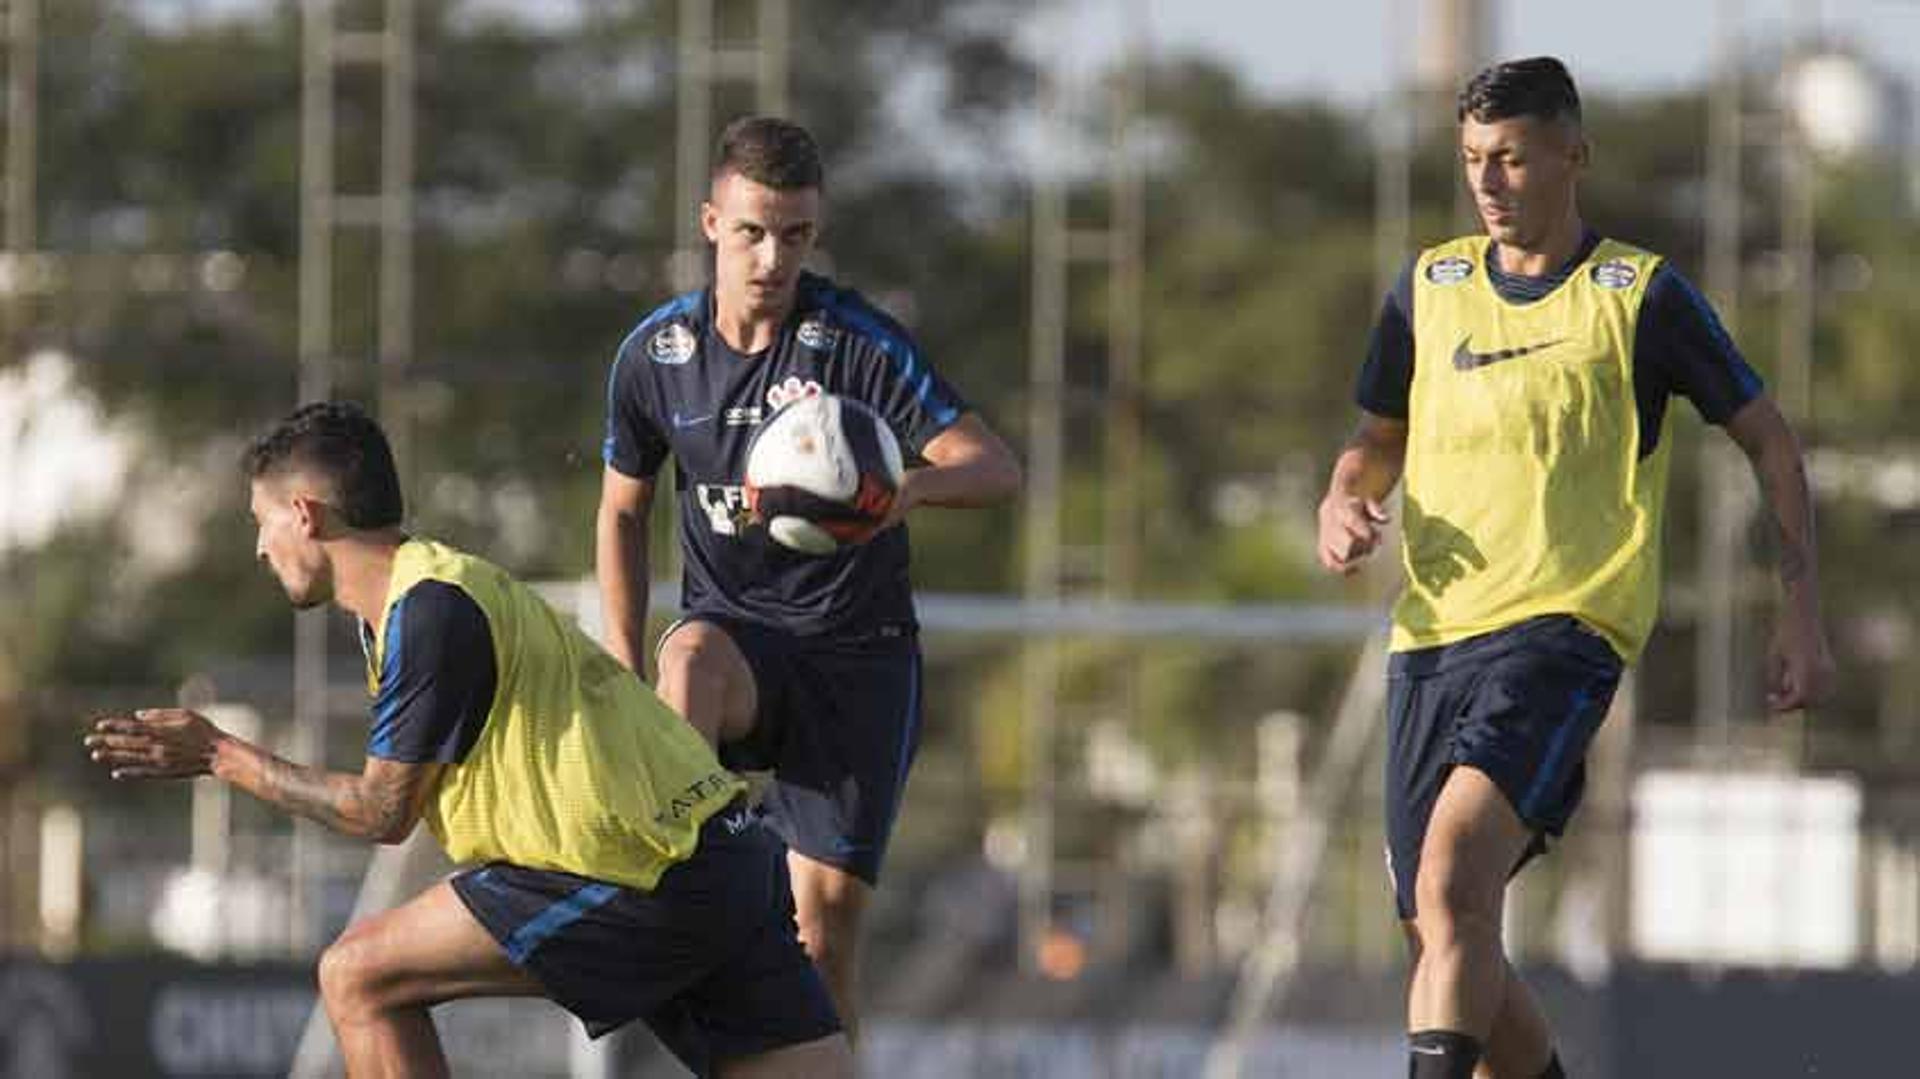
808,666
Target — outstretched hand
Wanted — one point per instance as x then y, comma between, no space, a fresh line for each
154,743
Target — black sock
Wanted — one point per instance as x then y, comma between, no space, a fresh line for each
1554,1070
1441,1054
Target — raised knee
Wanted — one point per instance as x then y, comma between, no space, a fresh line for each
698,650
348,975
704,677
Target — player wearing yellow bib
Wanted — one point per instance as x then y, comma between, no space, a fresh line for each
1517,383
615,868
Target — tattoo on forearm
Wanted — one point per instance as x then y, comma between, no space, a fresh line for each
340,802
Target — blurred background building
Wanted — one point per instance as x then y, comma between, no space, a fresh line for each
1148,239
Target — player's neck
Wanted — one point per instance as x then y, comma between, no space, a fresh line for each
363,572
1547,255
749,329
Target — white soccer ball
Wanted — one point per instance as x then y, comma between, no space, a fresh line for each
822,473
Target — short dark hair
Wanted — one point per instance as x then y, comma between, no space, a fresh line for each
340,442
771,151
1538,86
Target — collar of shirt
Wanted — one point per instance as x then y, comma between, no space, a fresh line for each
1522,288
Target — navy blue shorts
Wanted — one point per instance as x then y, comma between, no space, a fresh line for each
838,725
710,958
1519,704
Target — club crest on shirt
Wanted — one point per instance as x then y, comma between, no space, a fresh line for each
1450,270
672,346
791,390
1615,274
817,334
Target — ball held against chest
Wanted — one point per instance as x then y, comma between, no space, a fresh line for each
822,473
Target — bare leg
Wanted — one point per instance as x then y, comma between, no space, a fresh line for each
1521,1044
381,976
705,678
824,1058
1474,839
831,906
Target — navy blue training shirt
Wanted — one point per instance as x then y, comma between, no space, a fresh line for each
678,389
437,677
1680,347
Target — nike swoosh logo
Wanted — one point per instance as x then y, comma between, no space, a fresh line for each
1465,359
1428,1050
681,423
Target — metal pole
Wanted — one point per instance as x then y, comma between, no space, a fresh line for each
1046,414
1114,557
1456,39
770,41
23,112
19,860
316,201
1719,546
1125,255
692,161
316,383
1126,252
22,29
395,332
1797,240
703,63
1393,160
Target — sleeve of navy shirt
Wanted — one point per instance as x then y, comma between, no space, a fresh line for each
1386,378
1681,348
899,383
437,677
634,445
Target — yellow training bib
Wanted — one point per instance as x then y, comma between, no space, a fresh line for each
1525,492
579,767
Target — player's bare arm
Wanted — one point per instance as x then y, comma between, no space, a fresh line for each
1353,511
967,466
620,564
1800,663
382,803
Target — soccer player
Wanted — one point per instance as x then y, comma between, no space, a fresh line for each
616,868
805,666
1519,381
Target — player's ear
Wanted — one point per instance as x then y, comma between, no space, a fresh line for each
710,222
310,515
1579,151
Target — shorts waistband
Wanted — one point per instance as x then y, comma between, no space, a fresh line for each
1562,630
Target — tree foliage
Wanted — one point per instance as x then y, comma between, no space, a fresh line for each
546,215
